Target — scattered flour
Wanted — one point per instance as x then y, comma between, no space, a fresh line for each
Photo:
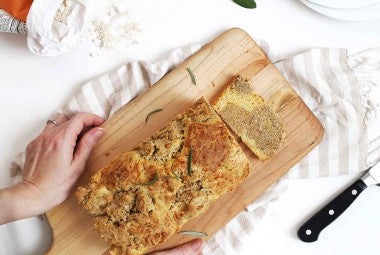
110,27
114,29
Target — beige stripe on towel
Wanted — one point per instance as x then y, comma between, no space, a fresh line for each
328,88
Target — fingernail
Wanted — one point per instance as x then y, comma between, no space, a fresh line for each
197,243
99,131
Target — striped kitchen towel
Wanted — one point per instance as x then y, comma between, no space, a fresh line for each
342,90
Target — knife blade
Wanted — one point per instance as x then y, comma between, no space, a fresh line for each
311,229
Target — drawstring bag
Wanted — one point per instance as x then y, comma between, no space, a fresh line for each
53,27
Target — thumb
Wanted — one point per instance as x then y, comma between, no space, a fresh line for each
86,144
191,248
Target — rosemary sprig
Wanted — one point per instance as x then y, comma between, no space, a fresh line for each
189,158
193,233
155,178
192,76
150,114
249,4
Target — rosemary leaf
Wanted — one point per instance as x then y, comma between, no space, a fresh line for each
192,76
150,114
249,4
193,233
189,158
155,178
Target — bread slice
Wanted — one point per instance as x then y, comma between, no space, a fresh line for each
247,114
145,195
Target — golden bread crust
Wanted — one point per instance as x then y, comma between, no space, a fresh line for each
133,212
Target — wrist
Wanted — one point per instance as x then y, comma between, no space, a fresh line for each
17,202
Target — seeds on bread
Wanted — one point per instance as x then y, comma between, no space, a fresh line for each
251,118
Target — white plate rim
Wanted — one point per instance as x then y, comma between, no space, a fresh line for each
345,4
346,14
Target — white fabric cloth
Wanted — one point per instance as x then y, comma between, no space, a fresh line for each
365,66
328,86
341,90
50,37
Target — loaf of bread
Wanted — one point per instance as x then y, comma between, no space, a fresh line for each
251,118
144,196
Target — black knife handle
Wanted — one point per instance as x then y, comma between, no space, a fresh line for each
309,231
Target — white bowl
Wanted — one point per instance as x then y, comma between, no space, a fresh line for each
345,4
368,13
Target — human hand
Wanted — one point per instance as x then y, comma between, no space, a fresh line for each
54,162
190,248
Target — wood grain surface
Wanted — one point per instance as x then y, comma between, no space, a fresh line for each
234,52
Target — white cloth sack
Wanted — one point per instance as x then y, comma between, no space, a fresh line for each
342,91
49,37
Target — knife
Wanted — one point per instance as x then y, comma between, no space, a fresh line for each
310,231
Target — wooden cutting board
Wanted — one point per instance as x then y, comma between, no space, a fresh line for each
234,52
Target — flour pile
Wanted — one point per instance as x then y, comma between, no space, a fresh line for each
111,27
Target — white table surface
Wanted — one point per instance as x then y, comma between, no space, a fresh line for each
32,87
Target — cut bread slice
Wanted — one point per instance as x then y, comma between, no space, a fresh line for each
251,118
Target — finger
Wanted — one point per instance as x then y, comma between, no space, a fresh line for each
86,145
59,119
80,121
191,248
